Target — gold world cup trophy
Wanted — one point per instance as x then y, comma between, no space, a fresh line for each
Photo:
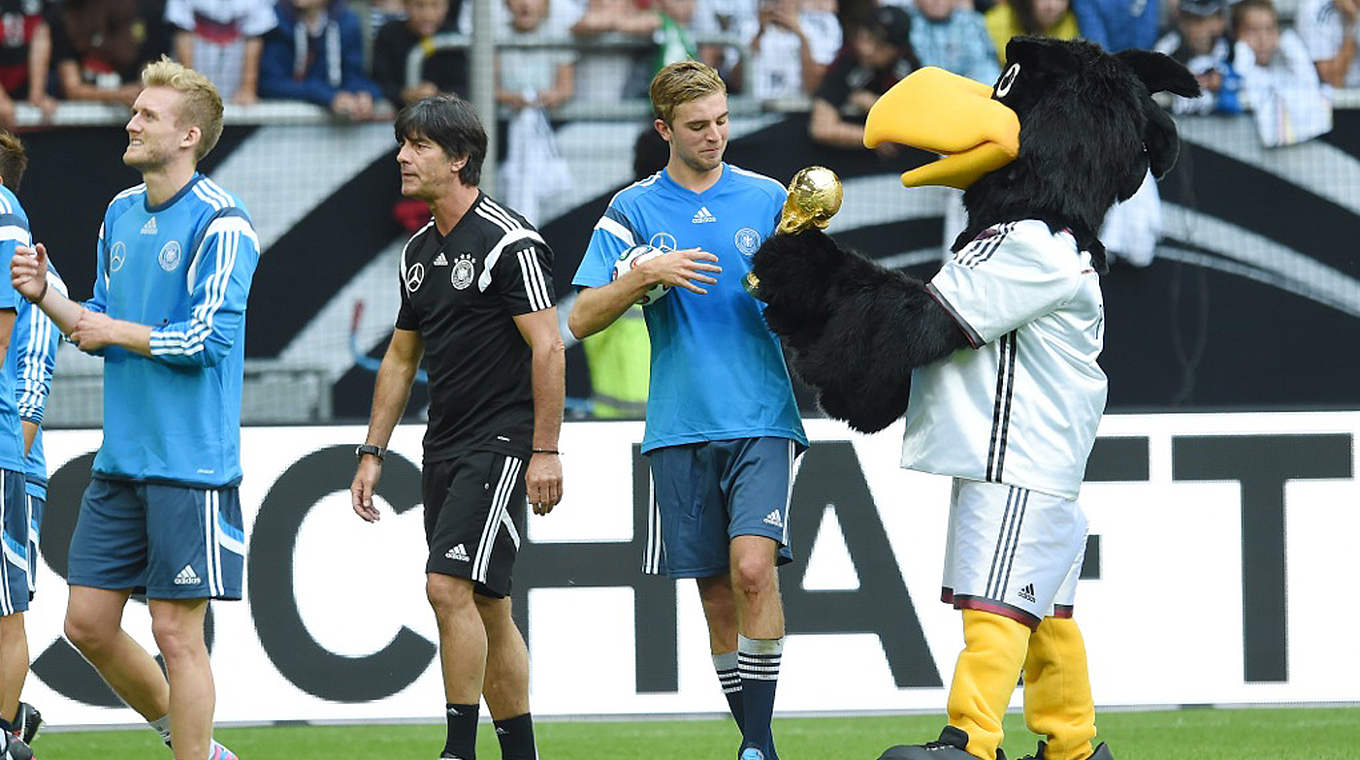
814,197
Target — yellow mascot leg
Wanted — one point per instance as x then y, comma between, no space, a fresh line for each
1058,701
984,678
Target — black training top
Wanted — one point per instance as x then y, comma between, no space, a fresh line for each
460,292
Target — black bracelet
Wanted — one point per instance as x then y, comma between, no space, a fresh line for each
41,296
554,452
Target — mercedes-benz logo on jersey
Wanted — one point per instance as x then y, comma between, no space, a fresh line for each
663,241
747,241
169,256
461,277
414,277
117,256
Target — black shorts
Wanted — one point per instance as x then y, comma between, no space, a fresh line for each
473,503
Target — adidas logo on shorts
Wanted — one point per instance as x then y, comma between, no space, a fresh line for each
1027,593
774,519
458,552
187,577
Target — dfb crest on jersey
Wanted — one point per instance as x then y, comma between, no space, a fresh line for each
169,257
117,256
462,273
747,241
414,277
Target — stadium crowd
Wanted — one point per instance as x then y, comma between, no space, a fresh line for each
351,57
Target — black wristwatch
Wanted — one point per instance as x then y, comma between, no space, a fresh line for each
368,448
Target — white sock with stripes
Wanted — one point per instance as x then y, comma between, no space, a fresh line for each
162,726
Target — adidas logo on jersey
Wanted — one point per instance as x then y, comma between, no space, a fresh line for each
458,553
703,216
187,577
774,519
1027,593
440,260
150,227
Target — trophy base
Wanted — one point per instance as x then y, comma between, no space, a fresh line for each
752,285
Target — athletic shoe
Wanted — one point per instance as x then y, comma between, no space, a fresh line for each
1101,753
952,745
27,723
16,749
220,752
751,753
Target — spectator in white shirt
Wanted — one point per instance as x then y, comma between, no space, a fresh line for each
791,48
716,18
222,39
1278,78
534,76
1331,33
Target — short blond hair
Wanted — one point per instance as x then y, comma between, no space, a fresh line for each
681,82
13,160
201,105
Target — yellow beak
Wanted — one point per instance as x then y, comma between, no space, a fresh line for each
935,110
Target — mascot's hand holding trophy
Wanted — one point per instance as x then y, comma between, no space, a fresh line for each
993,360
814,197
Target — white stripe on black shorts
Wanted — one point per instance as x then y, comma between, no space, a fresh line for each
473,504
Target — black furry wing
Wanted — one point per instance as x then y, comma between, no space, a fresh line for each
854,330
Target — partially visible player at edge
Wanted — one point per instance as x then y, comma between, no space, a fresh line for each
14,565
30,362
723,429
175,259
476,289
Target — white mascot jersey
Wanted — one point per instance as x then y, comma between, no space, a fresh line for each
1022,405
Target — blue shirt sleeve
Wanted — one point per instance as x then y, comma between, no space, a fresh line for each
276,72
99,301
353,78
13,233
219,282
614,234
1091,22
1145,27
277,62
35,338
983,66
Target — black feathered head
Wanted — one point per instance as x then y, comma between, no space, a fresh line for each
1067,130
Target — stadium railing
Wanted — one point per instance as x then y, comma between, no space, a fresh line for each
624,108
297,388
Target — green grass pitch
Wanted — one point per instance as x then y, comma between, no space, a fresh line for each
1330,733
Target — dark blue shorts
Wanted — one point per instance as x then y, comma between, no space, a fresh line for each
173,542
15,523
35,512
706,494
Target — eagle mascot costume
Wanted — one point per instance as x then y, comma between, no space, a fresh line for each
993,361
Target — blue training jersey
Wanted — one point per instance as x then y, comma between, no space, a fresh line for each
718,372
13,232
32,357
183,268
